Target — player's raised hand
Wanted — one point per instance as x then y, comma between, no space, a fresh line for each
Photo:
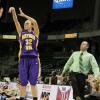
21,12
11,9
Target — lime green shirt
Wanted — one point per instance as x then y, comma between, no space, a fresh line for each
88,61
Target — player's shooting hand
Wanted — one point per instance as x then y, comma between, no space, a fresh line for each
11,9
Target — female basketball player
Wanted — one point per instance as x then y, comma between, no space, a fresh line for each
28,54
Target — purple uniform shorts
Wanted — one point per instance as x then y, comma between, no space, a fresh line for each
28,70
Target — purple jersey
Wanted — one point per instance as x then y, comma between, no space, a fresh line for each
28,44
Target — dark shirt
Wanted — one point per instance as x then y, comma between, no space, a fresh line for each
54,80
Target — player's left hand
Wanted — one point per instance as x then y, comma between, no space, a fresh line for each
21,12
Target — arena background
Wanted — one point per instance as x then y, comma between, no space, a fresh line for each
61,32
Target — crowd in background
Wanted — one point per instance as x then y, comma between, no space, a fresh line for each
91,89
7,92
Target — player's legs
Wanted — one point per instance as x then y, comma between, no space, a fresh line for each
34,92
23,75
33,76
22,92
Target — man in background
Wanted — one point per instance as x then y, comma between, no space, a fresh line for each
79,65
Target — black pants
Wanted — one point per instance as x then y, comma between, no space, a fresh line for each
92,98
78,83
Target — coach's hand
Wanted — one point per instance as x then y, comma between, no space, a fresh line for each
11,9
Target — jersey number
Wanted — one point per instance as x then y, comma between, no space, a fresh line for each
28,44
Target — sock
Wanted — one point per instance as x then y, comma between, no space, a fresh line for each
35,98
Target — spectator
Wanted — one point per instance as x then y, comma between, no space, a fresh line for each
46,81
94,92
53,78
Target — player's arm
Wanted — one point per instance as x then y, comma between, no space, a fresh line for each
17,24
1,12
34,22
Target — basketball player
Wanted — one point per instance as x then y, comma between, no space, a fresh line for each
28,54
